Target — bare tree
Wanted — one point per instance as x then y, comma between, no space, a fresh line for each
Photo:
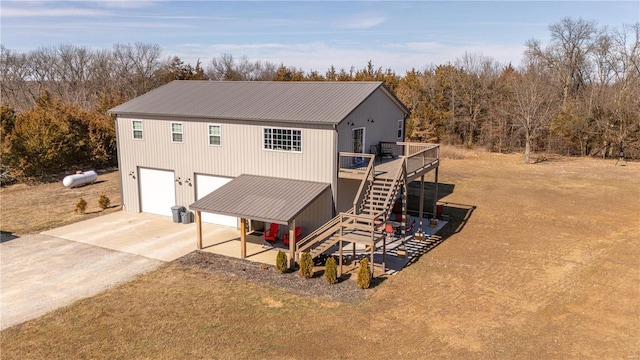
531,103
572,41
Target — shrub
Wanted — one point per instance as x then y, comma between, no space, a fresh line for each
281,262
81,206
364,275
104,201
306,265
331,271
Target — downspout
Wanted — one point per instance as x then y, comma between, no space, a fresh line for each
119,164
336,165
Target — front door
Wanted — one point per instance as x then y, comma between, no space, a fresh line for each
357,135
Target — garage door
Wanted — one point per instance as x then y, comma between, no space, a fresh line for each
205,184
157,191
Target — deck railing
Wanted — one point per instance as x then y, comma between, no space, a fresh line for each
420,156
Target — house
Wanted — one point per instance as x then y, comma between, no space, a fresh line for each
245,154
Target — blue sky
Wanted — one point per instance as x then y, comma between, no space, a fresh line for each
307,34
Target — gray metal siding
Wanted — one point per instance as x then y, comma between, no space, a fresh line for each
379,108
241,153
347,189
317,214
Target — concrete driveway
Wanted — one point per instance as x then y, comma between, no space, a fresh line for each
40,273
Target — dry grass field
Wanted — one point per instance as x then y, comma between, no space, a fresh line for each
28,209
545,267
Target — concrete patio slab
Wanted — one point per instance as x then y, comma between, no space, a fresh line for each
152,236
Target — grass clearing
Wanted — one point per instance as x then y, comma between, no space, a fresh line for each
29,209
546,267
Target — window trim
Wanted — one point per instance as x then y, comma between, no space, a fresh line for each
209,134
264,144
133,130
400,129
175,132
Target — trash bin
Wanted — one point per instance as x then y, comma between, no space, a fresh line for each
187,217
177,212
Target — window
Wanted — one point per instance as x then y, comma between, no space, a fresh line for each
137,129
176,132
283,139
400,123
215,135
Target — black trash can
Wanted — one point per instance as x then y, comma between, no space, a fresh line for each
177,211
187,217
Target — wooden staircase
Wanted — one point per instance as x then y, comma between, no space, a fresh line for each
366,219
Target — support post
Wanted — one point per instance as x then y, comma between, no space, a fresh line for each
292,243
340,246
243,238
435,195
198,230
421,214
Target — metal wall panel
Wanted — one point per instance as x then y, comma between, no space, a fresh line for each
241,153
378,115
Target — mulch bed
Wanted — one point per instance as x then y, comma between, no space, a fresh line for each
345,290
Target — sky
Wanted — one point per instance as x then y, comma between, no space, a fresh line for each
310,35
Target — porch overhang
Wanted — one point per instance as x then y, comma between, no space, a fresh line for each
262,198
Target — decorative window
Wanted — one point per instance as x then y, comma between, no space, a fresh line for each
137,129
283,139
400,123
215,135
176,132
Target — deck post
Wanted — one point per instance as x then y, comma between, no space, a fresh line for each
340,246
373,251
292,243
243,238
198,230
421,202
435,195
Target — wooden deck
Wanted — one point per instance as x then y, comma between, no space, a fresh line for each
386,168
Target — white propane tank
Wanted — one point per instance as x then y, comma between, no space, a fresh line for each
80,178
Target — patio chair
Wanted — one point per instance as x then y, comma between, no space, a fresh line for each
298,234
271,234
409,229
391,232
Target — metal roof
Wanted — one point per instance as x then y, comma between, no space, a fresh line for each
324,102
261,198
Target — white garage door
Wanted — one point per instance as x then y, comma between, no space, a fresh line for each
205,184
157,191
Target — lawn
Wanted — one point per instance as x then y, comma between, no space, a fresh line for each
28,209
544,267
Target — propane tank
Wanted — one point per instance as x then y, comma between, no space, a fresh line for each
79,178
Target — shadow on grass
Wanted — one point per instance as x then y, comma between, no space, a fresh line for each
459,215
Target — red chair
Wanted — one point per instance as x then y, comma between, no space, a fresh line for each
410,228
271,235
298,233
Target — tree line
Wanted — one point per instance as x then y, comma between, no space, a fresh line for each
577,95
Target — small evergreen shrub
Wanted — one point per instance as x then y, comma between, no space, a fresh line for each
281,262
331,271
364,275
306,265
104,202
81,206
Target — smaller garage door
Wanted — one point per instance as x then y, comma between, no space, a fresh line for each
205,184
157,191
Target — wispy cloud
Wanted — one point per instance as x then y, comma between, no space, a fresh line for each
12,12
362,21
